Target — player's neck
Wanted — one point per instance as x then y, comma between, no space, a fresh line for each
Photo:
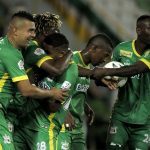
140,46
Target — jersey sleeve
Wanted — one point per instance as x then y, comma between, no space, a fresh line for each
116,53
145,58
15,67
36,56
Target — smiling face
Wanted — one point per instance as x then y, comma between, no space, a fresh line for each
24,32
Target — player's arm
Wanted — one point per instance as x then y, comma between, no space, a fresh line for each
28,90
15,67
126,71
56,68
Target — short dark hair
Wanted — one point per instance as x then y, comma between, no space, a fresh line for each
142,19
23,14
100,37
56,39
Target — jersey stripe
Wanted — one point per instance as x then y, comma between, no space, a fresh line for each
1,147
41,61
24,77
3,80
84,65
134,50
51,134
146,62
62,128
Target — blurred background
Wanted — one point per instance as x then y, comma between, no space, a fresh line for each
82,19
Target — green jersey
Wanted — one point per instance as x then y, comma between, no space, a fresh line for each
11,69
39,118
133,101
80,93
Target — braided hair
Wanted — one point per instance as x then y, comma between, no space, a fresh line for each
45,22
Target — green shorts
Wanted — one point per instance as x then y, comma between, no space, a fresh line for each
43,139
6,129
69,140
121,134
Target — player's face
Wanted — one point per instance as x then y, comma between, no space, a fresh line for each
56,52
25,33
100,55
144,32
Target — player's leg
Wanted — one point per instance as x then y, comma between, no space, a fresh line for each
117,135
139,139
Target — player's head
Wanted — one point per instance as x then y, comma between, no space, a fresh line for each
143,28
99,48
56,45
46,23
21,28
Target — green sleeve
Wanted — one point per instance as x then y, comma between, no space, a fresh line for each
14,65
145,58
35,56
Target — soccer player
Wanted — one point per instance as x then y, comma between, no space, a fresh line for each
39,129
97,51
36,60
130,121
12,74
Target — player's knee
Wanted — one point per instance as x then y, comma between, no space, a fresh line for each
114,146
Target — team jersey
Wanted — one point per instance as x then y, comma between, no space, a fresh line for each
80,93
39,118
11,69
133,101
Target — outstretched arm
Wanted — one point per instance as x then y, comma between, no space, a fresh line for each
56,68
126,71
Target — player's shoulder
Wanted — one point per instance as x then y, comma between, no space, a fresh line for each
124,44
5,48
127,45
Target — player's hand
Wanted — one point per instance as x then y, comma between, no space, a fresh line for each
89,114
69,122
58,94
111,84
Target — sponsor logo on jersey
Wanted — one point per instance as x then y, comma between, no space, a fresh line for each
65,145
21,65
39,51
66,85
125,53
82,87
